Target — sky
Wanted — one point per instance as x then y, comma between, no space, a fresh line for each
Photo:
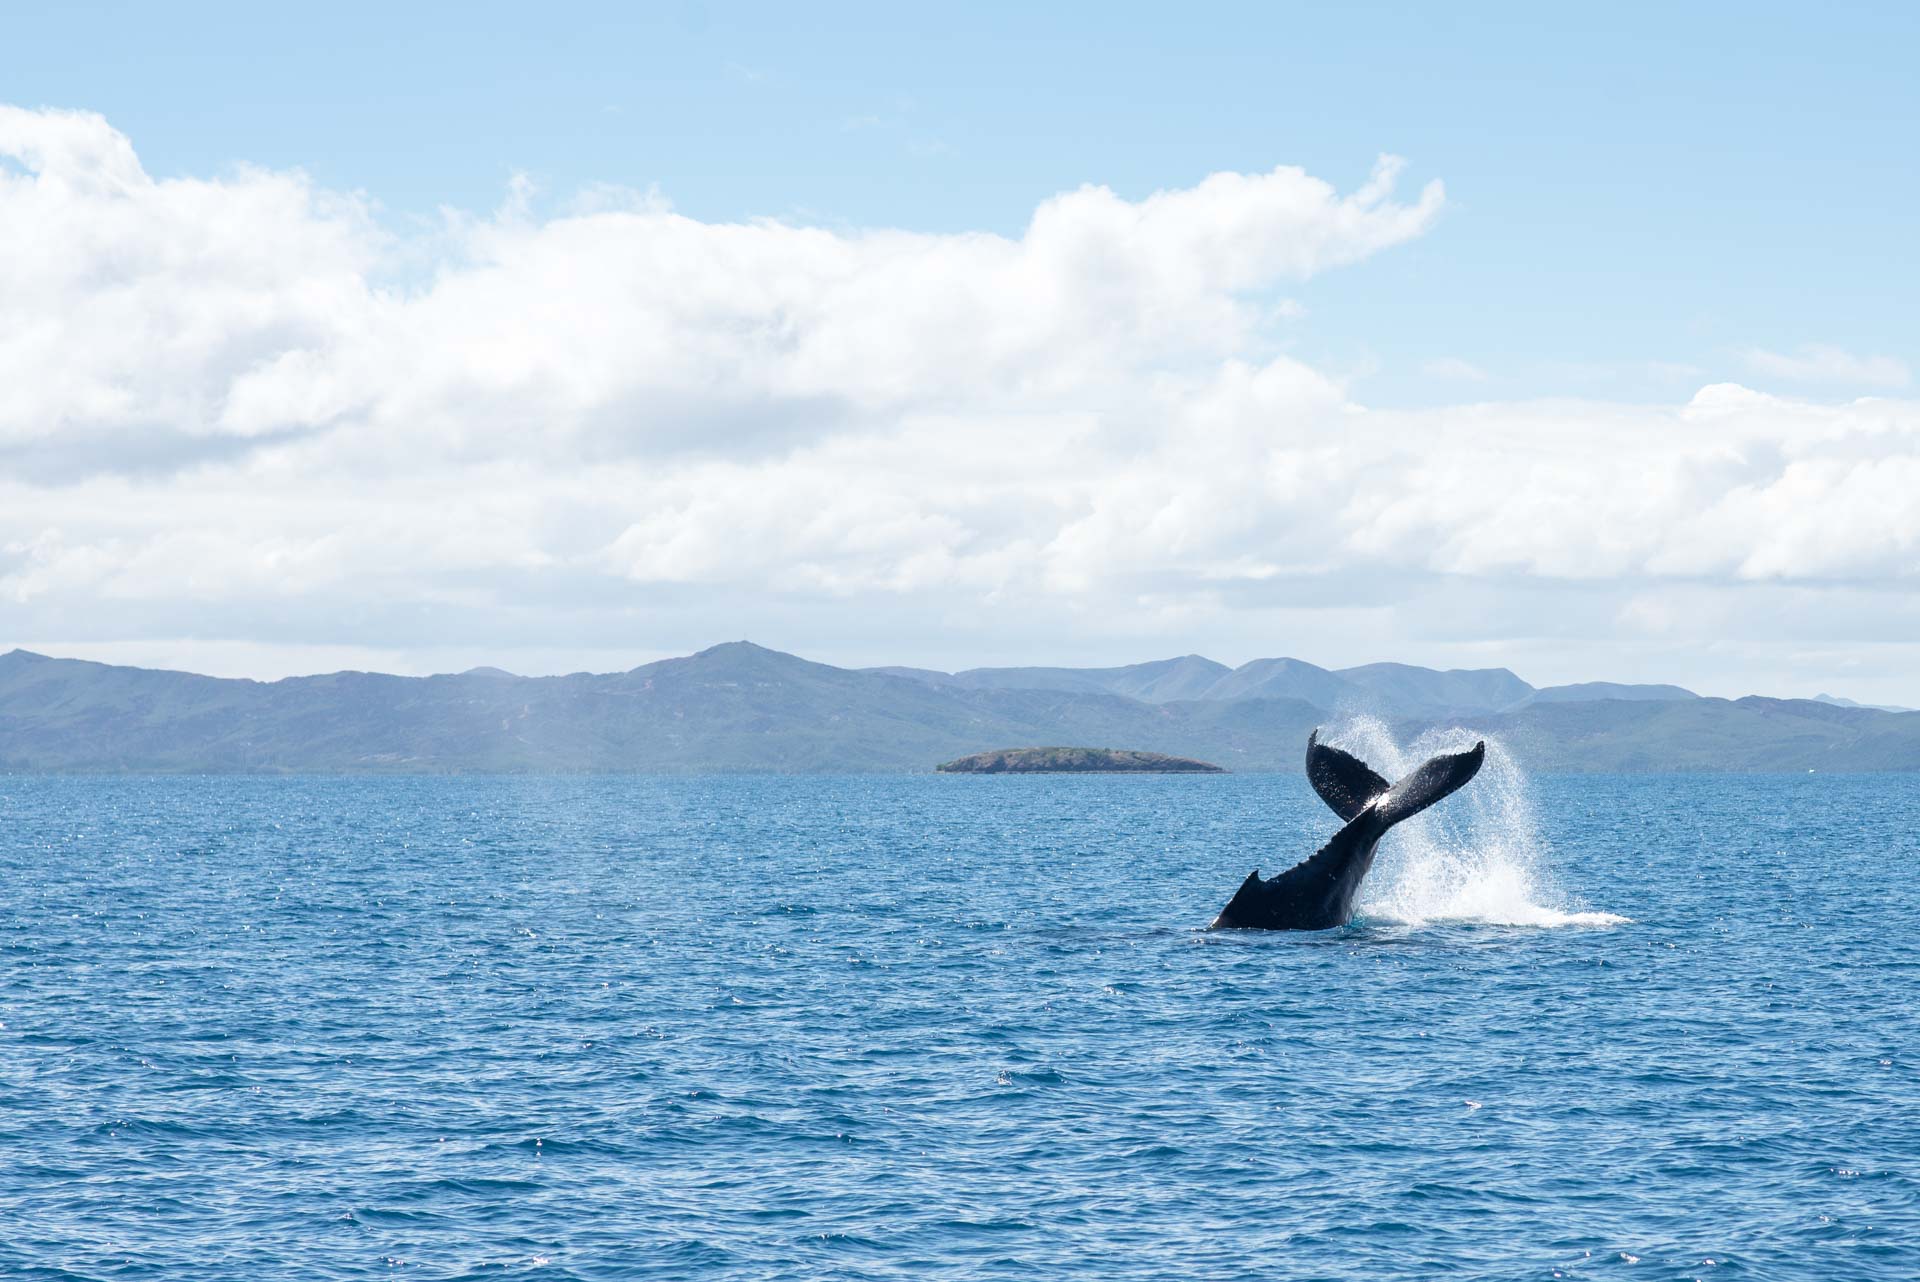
418,337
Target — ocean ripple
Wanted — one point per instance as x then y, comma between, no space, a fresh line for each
887,1028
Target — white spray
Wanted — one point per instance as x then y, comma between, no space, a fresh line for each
1477,856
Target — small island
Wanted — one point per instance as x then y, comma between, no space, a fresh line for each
1006,761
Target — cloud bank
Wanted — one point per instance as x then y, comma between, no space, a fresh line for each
243,409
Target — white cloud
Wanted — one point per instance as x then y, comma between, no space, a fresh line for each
237,408
1821,363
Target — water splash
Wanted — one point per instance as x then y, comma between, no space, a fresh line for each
1476,857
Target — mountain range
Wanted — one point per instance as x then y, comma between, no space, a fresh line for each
740,706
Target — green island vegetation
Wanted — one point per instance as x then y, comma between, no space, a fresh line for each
1027,761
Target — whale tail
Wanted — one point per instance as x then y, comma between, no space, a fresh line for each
1440,777
1319,891
1348,785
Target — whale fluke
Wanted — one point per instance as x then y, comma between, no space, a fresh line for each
1438,778
1318,892
1343,781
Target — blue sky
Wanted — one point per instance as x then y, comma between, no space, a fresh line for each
416,336
1637,191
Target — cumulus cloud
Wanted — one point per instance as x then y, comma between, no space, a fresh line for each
1821,363
249,305
240,408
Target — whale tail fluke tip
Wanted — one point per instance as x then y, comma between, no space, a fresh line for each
1437,779
1346,783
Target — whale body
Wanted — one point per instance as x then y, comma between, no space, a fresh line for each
1318,893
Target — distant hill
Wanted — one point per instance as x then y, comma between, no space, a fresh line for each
1422,692
1587,691
1750,734
1285,679
1380,689
743,707
1848,703
733,707
1162,681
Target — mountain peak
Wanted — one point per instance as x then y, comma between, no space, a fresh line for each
743,657
738,649
1282,679
1282,664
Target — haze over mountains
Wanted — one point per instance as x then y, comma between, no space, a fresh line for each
743,707
1395,690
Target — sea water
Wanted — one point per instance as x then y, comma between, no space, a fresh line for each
945,1027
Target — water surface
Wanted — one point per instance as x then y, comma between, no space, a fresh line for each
924,1027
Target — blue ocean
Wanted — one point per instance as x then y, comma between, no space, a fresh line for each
954,1027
